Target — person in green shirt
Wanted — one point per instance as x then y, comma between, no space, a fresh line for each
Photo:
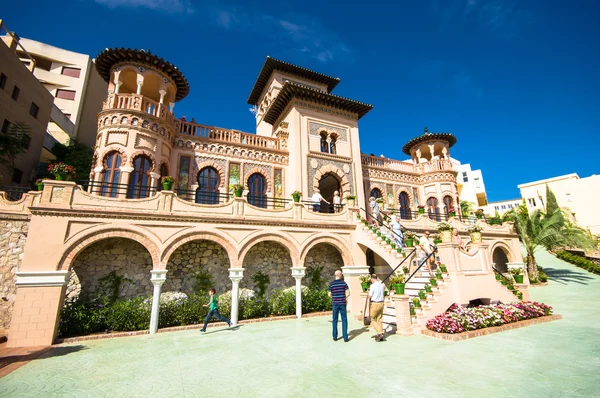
213,307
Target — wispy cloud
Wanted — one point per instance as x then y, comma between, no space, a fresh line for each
170,6
502,18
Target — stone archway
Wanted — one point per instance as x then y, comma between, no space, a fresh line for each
130,261
500,259
270,258
198,265
345,188
328,185
324,259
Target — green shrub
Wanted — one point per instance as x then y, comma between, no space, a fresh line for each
579,261
128,315
283,302
254,308
315,301
81,317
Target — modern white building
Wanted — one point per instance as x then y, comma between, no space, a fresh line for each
580,196
502,206
470,184
76,86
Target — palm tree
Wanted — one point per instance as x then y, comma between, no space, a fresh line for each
544,230
467,208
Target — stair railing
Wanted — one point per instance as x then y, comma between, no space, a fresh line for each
420,265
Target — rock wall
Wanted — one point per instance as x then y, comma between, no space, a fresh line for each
271,258
193,258
126,257
13,235
327,256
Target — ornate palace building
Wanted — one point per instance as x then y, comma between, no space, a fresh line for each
61,241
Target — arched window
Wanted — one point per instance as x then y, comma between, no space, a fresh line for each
257,187
332,148
449,204
376,193
434,210
208,186
114,120
324,144
134,121
139,180
124,120
112,174
404,206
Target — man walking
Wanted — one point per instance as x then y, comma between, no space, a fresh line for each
426,248
339,293
376,294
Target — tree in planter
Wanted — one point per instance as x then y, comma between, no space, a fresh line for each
14,143
545,230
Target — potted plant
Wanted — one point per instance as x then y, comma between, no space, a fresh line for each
405,270
439,275
421,209
351,200
427,288
442,267
167,182
479,214
498,277
412,311
393,246
40,184
416,302
475,232
436,239
296,195
496,220
237,189
517,274
409,238
452,212
422,295
365,282
520,295
397,280
433,281
62,172
445,231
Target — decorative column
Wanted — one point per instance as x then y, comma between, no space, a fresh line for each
235,274
403,321
117,86
40,297
123,181
162,95
140,83
298,273
154,180
351,274
158,277
96,185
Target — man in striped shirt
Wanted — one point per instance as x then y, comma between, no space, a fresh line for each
339,292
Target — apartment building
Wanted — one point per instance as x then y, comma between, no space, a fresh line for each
470,184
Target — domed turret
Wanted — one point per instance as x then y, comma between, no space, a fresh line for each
429,146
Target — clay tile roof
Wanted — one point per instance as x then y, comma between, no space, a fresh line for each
272,64
450,138
112,56
293,90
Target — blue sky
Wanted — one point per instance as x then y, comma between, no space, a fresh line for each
516,81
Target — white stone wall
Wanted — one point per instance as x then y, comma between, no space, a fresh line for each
127,257
191,258
13,235
271,258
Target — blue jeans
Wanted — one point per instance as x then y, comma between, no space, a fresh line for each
316,207
340,309
214,312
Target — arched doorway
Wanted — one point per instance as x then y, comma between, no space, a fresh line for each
268,263
404,202
321,262
257,190
434,210
112,175
500,260
328,184
375,193
208,186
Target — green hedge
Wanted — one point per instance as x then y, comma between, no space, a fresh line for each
579,261
84,316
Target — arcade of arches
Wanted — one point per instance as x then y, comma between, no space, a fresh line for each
132,261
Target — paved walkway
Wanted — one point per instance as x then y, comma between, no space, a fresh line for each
299,358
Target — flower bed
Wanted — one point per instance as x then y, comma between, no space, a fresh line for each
459,319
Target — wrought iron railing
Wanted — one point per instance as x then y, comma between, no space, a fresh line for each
14,192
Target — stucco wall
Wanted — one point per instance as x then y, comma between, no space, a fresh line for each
13,235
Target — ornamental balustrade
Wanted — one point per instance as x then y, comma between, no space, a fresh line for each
226,135
140,103
406,167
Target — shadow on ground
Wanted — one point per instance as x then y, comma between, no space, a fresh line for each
565,276
231,329
48,352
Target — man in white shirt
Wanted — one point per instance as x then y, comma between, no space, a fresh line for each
377,294
316,200
426,248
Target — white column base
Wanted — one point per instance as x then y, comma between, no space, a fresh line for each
158,277
236,275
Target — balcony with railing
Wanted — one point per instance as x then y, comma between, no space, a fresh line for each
222,135
140,103
407,167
